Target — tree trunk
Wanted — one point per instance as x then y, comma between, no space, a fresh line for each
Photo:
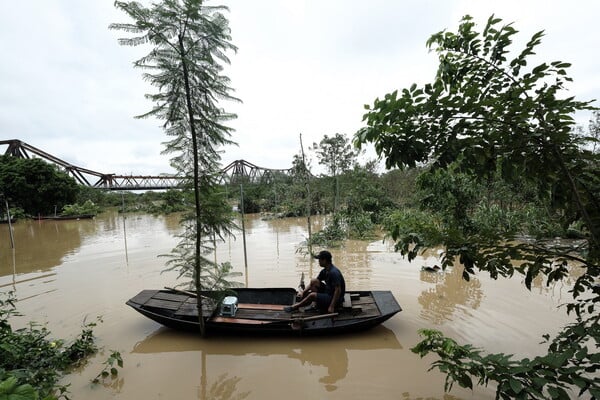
197,266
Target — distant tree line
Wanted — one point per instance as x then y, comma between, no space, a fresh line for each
357,197
34,186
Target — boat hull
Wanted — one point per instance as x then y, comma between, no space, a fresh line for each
67,217
261,312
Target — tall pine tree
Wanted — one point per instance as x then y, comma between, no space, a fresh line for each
190,42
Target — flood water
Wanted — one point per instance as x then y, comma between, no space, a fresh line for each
65,272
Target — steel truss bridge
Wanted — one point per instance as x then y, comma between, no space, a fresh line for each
239,171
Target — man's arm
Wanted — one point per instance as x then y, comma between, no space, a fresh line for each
336,296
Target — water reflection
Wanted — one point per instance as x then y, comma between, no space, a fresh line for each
41,245
44,244
224,388
450,291
115,384
330,353
540,283
407,396
355,260
173,223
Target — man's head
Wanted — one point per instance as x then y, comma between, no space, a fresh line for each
324,258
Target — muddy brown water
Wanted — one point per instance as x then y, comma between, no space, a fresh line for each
65,272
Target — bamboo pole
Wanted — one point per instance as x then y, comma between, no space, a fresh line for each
308,198
244,232
10,230
124,228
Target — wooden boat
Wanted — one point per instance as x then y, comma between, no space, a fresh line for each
67,217
261,311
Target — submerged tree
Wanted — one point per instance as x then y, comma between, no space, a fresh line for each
489,118
190,41
337,155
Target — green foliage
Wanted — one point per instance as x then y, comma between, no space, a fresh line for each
213,276
171,201
34,185
338,156
360,225
87,208
399,185
11,390
503,158
451,194
15,212
332,234
491,118
277,197
113,361
410,227
363,197
103,198
294,204
490,210
31,363
175,201
216,219
363,191
529,220
189,43
552,376
254,195
342,225
335,153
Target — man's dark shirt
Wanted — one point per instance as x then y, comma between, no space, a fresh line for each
332,278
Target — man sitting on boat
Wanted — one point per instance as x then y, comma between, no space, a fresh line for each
326,290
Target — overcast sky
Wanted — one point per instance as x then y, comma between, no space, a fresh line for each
302,67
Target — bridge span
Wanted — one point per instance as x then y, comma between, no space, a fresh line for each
237,171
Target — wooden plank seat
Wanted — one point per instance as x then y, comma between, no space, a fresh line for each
163,304
347,304
233,320
190,309
347,301
272,307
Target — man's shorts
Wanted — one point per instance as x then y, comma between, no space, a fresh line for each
324,300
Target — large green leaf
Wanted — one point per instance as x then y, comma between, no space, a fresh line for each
11,390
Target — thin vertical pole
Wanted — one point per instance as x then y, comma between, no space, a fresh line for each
10,231
308,199
14,260
214,239
244,232
124,228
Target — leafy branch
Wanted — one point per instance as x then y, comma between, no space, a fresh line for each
487,122
113,361
544,377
